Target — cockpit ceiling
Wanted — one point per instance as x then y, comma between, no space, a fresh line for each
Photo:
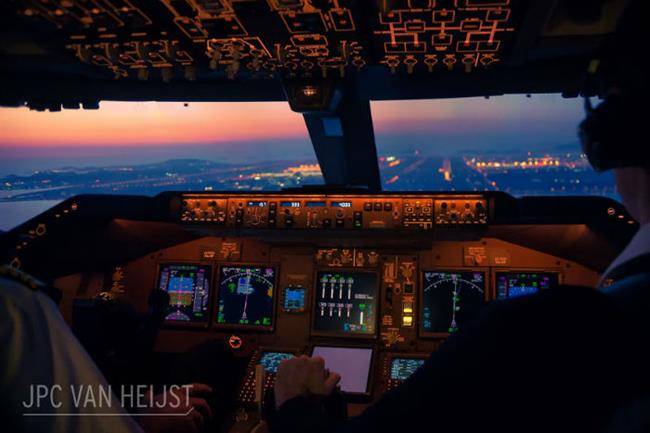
182,41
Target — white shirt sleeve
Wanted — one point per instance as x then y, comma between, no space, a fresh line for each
38,352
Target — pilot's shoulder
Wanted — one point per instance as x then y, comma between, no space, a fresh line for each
23,291
561,307
9,273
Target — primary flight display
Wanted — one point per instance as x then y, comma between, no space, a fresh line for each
188,286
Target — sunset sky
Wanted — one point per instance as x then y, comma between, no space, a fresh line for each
151,131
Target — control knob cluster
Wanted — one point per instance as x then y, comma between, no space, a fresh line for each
204,210
460,212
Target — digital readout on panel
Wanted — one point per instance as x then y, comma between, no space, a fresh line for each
514,284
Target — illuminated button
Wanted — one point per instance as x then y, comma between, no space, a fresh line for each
407,308
41,229
407,321
367,206
340,223
378,207
357,220
388,206
235,342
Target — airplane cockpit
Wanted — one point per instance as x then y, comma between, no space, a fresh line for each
370,278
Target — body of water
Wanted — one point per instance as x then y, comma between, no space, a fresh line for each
13,213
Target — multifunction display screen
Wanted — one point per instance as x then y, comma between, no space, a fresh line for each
346,303
403,368
450,299
351,363
271,360
514,284
245,296
188,286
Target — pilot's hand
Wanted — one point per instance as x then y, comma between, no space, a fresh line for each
189,416
303,376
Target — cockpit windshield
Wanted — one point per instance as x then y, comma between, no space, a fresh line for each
523,145
517,144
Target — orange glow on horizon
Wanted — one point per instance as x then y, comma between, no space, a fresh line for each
150,124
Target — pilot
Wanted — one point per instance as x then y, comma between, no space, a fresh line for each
48,383
567,359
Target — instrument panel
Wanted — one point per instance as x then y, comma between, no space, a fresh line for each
373,283
371,307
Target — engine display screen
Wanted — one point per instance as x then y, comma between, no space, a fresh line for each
245,296
188,286
293,299
514,284
351,363
271,360
449,299
403,368
346,303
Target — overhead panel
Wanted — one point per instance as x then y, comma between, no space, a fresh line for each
430,34
204,39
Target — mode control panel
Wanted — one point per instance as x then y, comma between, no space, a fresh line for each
323,212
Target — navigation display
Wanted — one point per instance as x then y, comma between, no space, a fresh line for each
271,360
352,363
245,296
188,286
514,284
403,368
346,303
450,299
